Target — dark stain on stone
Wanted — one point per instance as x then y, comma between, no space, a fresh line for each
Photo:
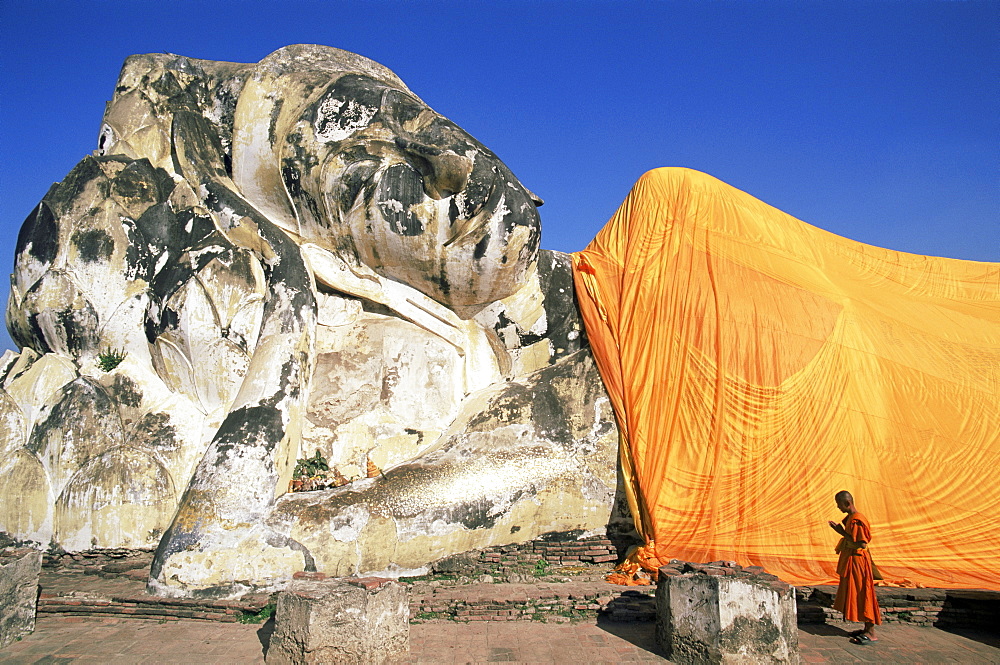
126,391
477,191
401,106
155,431
541,399
480,251
685,650
414,432
159,226
559,536
75,325
290,272
453,212
292,178
564,326
273,123
202,226
85,408
167,85
389,381
174,540
280,541
356,178
254,429
511,406
196,149
757,634
93,245
140,182
138,263
441,281
159,315
226,95
62,195
362,90
465,563
400,188
41,233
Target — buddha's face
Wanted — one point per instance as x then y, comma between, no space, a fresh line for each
413,196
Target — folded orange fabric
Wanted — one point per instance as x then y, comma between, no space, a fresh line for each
757,365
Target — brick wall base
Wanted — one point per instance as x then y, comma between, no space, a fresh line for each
555,578
941,608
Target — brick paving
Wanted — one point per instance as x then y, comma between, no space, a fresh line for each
494,627
59,639
65,639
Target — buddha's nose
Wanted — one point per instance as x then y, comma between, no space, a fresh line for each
445,172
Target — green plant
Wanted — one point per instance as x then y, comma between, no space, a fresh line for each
310,466
541,566
571,614
110,358
260,616
427,616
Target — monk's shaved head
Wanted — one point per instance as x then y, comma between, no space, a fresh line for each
845,495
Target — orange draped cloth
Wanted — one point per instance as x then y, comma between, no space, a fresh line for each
856,591
757,365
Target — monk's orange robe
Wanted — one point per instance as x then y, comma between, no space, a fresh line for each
856,592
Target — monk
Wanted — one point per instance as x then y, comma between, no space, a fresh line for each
856,592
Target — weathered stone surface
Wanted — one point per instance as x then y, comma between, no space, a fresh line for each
261,261
26,507
524,458
122,496
720,613
19,570
337,621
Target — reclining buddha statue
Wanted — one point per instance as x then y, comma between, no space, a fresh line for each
293,259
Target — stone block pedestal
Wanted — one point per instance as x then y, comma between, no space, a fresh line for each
722,613
19,569
362,620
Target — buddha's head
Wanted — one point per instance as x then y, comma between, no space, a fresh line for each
347,158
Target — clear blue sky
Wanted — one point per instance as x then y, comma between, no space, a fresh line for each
877,120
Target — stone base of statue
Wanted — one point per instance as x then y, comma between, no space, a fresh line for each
723,613
362,620
19,570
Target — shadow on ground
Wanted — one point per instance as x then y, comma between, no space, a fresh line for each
990,639
264,635
640,633
824,630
